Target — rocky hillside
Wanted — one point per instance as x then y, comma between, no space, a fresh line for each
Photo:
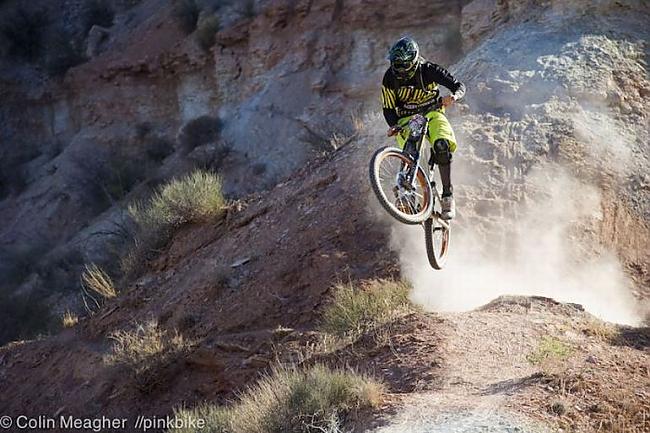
280,99
157,88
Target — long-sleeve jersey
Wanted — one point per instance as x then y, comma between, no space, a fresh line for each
418,94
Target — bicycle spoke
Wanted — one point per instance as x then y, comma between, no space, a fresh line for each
410,202
409,198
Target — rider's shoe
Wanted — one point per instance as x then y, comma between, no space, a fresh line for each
448,207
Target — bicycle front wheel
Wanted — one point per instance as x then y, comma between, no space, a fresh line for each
407,200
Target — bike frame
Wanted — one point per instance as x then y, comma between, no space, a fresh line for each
419,124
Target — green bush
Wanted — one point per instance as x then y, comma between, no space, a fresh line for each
194,198
186,13
550,349
356,310
206,31
292,401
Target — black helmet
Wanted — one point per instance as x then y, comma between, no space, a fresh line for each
404,57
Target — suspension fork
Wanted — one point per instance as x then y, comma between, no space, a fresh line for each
410,176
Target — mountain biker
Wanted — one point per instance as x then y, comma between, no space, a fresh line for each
410,86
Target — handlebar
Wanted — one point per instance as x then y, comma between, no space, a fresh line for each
397,129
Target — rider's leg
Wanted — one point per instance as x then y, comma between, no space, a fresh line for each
442,156
443,145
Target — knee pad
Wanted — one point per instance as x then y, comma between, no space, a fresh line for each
441,153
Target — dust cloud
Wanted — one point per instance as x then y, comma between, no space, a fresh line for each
546,249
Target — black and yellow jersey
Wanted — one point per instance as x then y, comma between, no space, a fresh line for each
417,94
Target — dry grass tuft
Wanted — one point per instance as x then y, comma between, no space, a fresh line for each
97,281
145,350
289,400
603,331
357,310
69,319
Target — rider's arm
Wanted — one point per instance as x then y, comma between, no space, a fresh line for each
442,76
390,116
388,102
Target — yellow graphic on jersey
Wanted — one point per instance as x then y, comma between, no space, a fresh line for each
387,98
415,95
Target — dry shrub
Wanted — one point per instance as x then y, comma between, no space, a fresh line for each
290,400
146,350
606,332
357,310
158,148
216,419
607,404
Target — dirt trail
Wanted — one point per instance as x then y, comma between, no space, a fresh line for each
488,385
486,362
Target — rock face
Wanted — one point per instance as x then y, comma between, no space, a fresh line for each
97,36
551,173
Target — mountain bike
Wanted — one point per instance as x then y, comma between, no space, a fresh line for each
406,188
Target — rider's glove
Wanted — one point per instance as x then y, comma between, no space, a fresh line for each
393,130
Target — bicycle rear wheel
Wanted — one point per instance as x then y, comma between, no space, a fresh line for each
436,235
408,202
